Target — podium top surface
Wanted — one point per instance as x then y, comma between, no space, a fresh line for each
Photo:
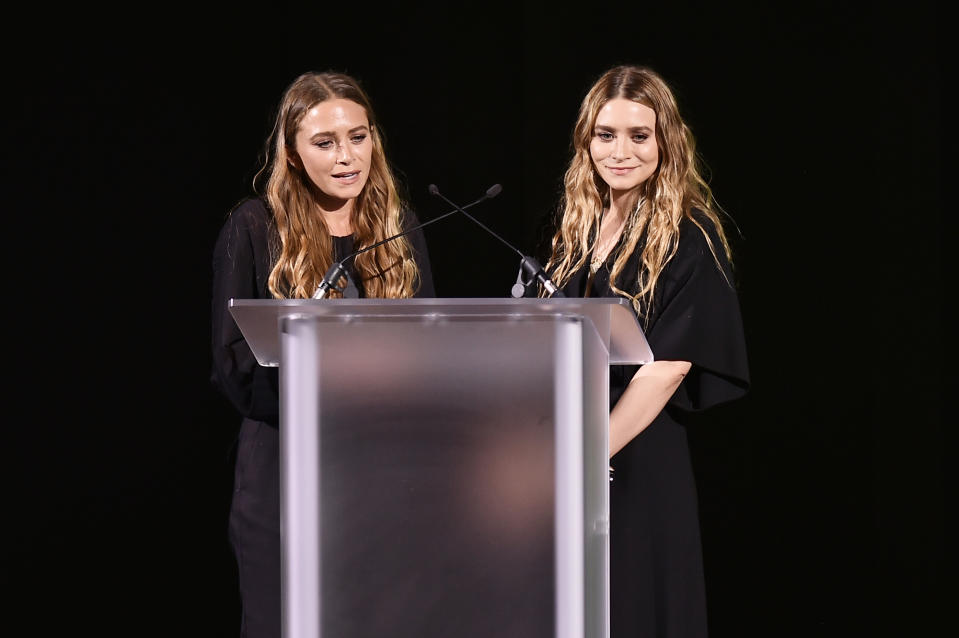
613,318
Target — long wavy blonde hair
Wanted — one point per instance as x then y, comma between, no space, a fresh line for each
671,193
305,250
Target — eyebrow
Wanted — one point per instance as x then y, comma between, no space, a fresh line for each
632,129
355,129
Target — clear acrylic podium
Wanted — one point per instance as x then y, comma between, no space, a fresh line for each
444,466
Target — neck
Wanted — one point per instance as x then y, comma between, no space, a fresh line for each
621,203
338,216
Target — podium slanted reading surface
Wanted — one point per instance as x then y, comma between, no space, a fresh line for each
444,462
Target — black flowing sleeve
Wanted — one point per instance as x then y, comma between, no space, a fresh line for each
697,319
241,264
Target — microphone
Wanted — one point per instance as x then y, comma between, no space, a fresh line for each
527,264
338,269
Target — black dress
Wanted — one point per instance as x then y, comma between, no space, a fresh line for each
656,570
241,266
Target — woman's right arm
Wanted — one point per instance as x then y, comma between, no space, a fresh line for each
645,396
240,253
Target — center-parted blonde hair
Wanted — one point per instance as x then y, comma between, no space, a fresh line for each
305,249
671,193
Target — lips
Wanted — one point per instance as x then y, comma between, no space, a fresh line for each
349,175
621,170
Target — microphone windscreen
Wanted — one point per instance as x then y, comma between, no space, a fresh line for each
433,190
494,190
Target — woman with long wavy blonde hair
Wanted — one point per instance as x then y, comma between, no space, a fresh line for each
637,220
329,194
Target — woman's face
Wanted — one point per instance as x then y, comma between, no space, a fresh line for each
623,146
334,145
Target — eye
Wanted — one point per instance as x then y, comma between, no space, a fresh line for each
324,144
359,138
604,135
640,137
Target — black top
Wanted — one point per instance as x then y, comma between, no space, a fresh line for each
242,262
694,317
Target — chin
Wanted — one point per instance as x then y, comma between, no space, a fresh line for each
623,184
351,191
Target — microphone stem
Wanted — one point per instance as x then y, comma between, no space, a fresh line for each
423,225
527,264
509,245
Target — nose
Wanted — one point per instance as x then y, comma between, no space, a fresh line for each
620,148
344,154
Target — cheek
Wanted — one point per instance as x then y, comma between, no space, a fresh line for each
651,154
595,152
366,153
315,162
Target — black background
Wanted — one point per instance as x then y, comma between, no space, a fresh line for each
131,133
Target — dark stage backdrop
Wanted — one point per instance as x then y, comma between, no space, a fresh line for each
131,133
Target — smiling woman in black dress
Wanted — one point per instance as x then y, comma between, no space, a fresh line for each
638,221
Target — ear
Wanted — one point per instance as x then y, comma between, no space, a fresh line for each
294,161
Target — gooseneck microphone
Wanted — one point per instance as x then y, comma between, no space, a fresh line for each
527,264
338,270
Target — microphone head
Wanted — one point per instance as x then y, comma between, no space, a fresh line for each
494,190
433,190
